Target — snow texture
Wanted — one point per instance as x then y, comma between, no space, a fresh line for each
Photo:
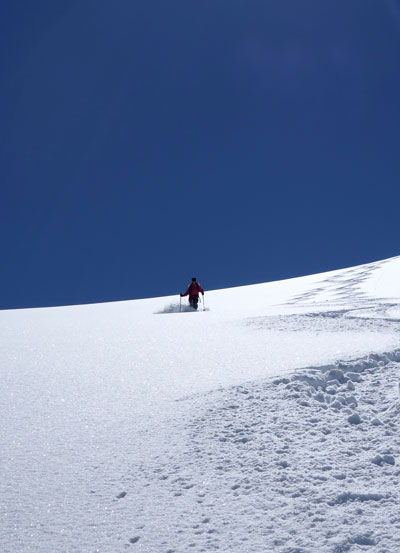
269,423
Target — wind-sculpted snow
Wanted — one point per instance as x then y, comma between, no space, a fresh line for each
268,424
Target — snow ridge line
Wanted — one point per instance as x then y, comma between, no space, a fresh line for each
360,364
332,385
357,366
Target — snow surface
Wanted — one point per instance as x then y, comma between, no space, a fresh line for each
268,422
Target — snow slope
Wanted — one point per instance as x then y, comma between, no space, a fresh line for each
268,422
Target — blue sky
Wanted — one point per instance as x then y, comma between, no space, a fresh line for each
143,143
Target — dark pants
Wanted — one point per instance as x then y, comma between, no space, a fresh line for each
194,301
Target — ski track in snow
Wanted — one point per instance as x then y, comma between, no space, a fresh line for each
287,461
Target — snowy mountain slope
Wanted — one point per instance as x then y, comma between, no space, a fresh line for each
133,426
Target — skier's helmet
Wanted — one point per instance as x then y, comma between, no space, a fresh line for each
194,279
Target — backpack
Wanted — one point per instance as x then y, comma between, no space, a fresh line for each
191,291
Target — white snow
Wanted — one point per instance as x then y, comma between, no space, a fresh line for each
268,422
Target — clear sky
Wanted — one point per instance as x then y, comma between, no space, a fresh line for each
239,141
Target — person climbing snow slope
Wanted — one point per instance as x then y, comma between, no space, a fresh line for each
193,291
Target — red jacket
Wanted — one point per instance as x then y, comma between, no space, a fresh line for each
194,290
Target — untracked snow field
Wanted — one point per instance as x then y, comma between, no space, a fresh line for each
267,423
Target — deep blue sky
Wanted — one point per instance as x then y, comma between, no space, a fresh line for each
146,142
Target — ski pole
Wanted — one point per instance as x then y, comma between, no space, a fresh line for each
180,304
204,304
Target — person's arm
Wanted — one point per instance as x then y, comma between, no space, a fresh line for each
201,290
187,291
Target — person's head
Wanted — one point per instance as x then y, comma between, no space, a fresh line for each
194,279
